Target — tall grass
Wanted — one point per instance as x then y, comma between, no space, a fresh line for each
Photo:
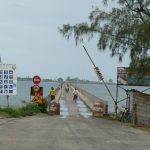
27,110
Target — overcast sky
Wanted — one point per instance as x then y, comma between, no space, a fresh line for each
30,39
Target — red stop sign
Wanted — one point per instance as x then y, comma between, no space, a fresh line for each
36,80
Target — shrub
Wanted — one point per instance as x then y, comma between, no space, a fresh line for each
27,110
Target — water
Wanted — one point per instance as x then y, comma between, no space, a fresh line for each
64,112
83,110
100,91
23,93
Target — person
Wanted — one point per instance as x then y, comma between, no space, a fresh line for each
52,96
59,86
52,93
75,94
67,88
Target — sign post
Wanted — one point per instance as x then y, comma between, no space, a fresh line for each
37,91
36,80
132,79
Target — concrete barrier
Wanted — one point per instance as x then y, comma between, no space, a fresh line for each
90,99
57,98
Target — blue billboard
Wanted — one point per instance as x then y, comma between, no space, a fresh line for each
136,79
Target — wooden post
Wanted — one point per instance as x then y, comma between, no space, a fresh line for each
7,98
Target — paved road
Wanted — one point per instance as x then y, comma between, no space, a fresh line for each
74,129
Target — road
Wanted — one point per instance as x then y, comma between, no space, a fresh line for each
74,129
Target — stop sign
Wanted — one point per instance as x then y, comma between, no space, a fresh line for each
36,80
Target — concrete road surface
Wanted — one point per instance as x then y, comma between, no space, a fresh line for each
74,129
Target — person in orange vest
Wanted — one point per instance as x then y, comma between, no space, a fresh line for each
52,96
52,93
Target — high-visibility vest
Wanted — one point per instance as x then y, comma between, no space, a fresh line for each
52,92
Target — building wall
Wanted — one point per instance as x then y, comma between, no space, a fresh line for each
140,108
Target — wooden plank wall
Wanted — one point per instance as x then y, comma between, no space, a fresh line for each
141,109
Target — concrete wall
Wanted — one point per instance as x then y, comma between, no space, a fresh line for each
90,99
140,108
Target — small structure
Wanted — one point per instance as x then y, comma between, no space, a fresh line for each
98,109
140,108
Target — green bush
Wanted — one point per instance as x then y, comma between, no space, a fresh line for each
8,111
27,110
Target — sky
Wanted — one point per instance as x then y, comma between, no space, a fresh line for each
29,38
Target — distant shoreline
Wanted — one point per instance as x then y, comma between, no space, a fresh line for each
93,83
78,82
30,79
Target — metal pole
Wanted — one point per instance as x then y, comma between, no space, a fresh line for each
122,100
7,97
99,79
89,56
116,102
109,91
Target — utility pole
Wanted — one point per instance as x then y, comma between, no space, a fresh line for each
101,78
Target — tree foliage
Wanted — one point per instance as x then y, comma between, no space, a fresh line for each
60,79
124,28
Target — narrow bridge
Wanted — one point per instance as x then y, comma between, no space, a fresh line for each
70,108
74,129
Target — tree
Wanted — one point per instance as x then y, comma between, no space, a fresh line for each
125,28
68,78
60,79
110,81
140,65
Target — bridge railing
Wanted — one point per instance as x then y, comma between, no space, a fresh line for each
89,99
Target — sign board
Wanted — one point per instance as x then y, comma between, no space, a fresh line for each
8,79
124,78
35,89
36,79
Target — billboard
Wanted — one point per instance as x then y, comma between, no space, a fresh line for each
136,79
8,79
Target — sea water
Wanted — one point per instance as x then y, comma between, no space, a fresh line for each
99,90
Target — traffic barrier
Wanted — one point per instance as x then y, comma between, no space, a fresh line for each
54,108
98,109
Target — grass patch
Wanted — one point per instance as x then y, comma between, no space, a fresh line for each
27,110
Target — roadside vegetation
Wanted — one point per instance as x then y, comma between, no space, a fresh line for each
27,110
